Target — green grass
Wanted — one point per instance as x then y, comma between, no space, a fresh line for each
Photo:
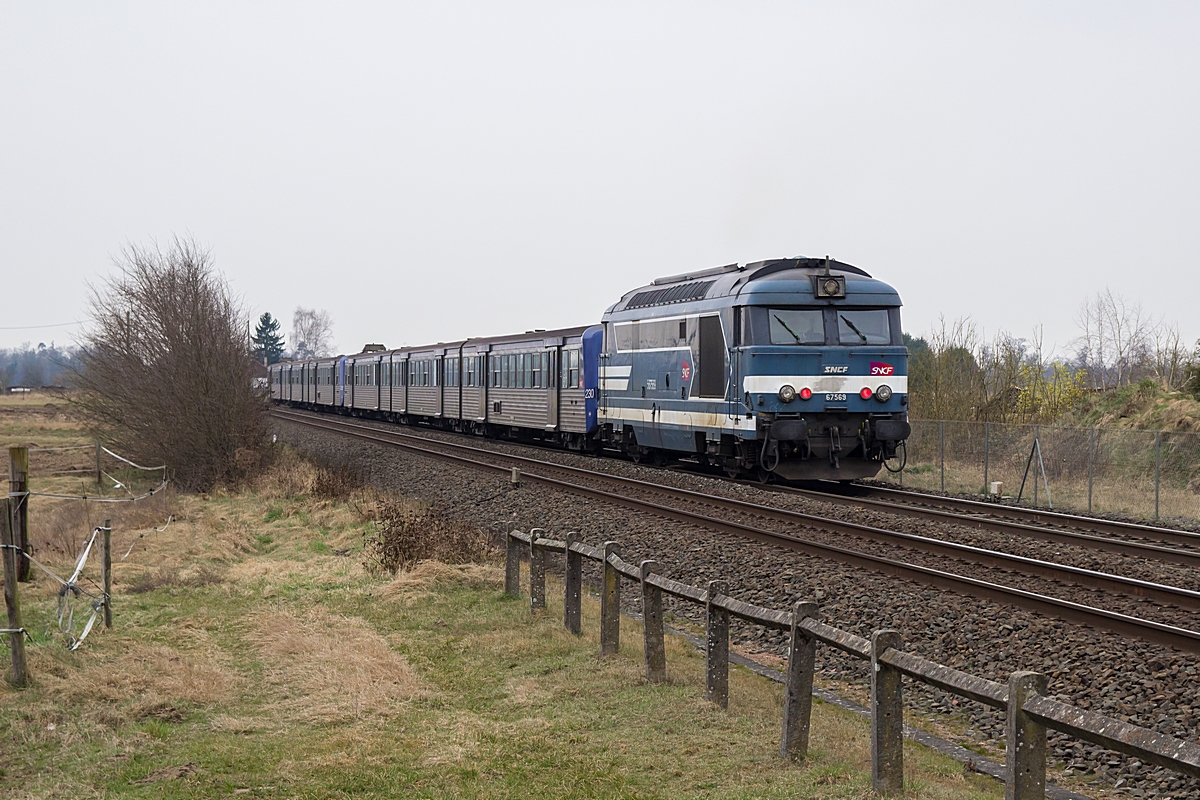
296,674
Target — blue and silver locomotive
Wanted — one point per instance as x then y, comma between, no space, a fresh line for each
793,368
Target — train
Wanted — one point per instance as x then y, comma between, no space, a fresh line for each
790,369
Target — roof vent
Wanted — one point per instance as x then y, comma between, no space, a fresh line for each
373,348
677,293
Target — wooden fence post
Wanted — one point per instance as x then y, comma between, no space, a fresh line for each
610,605
537,571
797,703
106,570
887,717
1025,743
12,601
573,587
18,485
652,626
512,565
98,481
716,678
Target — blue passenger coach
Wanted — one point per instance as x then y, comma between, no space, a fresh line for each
792,367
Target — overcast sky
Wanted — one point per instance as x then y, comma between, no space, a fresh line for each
439,170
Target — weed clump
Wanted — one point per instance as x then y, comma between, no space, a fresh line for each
405,533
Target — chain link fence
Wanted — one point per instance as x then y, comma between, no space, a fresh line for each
1147,474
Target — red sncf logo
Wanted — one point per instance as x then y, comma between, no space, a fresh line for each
880,368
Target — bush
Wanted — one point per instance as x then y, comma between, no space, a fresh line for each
165,372
406,533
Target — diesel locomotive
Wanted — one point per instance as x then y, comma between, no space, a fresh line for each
788,368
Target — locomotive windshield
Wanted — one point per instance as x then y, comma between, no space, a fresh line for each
797,326
863,327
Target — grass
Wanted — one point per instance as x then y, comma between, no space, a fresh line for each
247,657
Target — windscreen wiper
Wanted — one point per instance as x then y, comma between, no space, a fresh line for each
786,328
851,324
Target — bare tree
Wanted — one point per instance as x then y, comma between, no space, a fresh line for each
1116,340
312,333
165,371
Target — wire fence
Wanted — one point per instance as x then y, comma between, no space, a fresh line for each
1147,474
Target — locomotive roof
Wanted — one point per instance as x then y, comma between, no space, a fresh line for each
777,280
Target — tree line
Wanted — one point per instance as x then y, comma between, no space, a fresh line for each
36,367
956,373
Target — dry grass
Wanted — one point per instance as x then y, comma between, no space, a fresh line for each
332,668
426,577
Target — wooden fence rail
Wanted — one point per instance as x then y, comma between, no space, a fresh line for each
1029,712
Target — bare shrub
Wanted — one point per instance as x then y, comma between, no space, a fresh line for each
338,482
165,370
406,533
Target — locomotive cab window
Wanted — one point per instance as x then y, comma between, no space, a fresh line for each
796,326
863,326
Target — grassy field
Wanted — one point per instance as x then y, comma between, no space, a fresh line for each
253,654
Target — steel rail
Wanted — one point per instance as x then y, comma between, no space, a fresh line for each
1037,516
1148,630
1127,547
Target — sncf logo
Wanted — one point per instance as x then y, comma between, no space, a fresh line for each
880,368
836,370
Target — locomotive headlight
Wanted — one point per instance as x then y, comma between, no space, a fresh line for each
883,393
787,393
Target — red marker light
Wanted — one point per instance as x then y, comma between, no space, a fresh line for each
805,393
865,394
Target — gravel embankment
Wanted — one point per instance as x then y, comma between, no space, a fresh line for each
1147,684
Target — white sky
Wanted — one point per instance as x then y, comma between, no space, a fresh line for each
439,170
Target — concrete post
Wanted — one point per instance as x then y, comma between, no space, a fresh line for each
887,717
797,702
652,626
573,583
717,647
537,571
610,605
512,565
1025,754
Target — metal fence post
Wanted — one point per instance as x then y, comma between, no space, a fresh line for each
986,454
942,450
512,565
537,571
716,673
12,600
797,702
610,605
1025,756
18,485
652,626
106,570
887,717
1157,467
573,583
1037,445
1091,463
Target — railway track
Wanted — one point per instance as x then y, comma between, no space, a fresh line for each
698,508
1055,527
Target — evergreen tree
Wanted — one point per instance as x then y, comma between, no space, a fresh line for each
268,342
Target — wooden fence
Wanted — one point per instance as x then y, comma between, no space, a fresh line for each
1029,712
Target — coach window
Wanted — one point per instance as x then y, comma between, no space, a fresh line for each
573,373
526,370
863,327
